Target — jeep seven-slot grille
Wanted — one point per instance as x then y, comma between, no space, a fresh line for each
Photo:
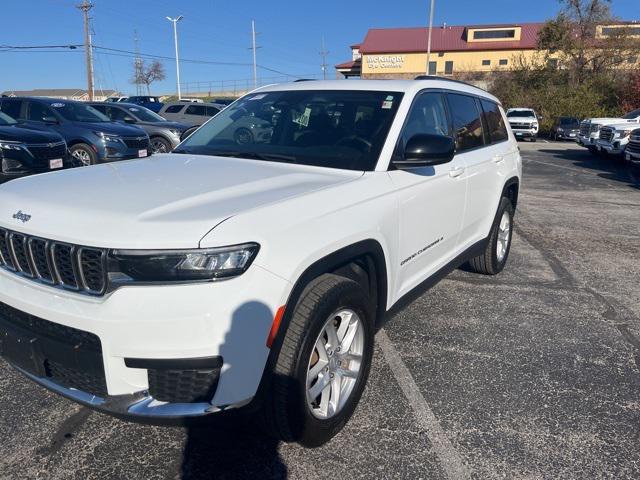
82,269
606,134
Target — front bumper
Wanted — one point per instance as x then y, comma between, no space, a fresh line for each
588,142
525,133
615,148
229,320
632,156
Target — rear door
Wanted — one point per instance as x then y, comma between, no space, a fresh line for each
173,112
484,163
195,114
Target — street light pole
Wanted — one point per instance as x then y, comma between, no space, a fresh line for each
175,41
429,37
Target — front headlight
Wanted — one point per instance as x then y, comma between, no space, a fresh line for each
623,133
175,266
107,137
11,145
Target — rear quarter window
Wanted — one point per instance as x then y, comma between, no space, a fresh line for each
497,129
11,107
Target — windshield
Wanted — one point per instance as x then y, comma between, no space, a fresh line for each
6,119
145,115
79,112
329,128
632,115
521,113
569,121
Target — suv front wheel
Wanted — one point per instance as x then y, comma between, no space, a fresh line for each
323,364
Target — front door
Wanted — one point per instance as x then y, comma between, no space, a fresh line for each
431,200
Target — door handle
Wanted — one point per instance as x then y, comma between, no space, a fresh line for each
498,158
456,172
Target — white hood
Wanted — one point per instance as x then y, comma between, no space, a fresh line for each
622,125
165,201
611,121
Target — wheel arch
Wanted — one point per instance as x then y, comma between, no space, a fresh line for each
369,251
511,190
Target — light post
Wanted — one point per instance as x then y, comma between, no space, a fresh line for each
429,37
175,40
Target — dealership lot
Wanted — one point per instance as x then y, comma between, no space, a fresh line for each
531,374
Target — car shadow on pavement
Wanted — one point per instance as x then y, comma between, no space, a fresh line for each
231,446
231,452
609,167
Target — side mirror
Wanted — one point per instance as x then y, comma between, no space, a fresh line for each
50,120
425,150
129,119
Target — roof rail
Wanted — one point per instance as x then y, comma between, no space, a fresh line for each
445,79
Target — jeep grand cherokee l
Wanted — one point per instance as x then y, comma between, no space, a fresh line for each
25,151
92,137
250,277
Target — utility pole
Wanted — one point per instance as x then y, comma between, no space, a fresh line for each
137,64
324,54
85,7
429,38
175,41
254,47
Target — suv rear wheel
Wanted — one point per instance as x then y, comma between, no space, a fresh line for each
323,364
495,255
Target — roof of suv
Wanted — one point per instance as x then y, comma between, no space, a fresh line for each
406,86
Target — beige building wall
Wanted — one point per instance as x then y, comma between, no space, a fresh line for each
407,65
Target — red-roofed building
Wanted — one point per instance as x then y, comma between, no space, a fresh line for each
402,52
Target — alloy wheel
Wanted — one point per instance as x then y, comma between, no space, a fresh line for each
335,364
504,236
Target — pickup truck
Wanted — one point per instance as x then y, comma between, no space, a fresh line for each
590,128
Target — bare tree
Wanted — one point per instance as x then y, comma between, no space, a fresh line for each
144,74
576,40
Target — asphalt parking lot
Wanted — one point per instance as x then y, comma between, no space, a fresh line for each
532,374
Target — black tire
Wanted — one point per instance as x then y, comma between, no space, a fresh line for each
160,145
488,263
593,151
83,155
285,412
243,136
534,139
187,133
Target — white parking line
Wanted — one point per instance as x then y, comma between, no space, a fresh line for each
448,456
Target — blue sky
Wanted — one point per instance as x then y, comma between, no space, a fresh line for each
290,34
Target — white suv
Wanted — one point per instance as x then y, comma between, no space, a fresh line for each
524,122
590,132
251,277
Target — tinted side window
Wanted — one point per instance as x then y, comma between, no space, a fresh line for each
466,121
428,115
102,109
174,109
38,112
494,121
212,111
196,110
12,108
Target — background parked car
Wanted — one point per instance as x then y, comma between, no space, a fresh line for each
164,135
116,99
190,113
565,128
152,103
524,122
25,150
91,136
632,152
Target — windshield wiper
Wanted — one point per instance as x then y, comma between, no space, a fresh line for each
256,156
